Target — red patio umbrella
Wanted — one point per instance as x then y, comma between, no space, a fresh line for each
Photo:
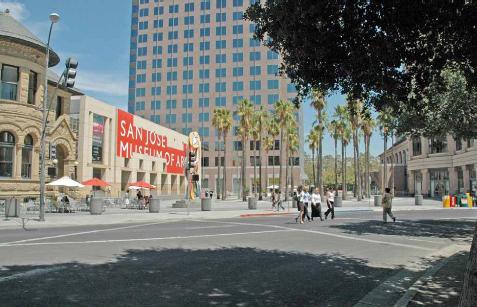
143,185
95,182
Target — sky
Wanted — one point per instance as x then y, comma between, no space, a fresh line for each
97,34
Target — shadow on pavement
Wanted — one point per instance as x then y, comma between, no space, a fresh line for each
448,229
178,277
443,289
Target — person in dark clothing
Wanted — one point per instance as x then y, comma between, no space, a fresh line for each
330,202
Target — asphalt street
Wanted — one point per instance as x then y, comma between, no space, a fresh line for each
266,261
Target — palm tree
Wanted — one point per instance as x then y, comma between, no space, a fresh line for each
333,129
284,112
255,134
293,146
227,120
245,111
385,126
312,140
217,123
354,111
273,131
368,127
318,103
341,115
262,119
269,142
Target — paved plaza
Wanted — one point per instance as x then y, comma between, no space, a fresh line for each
354,259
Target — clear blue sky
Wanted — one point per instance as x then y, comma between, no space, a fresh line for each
96,32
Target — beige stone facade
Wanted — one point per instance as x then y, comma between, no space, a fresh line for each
432,167
21,103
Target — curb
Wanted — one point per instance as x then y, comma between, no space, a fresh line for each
266,214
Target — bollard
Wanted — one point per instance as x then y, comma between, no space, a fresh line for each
206,204
154,205
377,200
338,201
418,200
96,207
252,203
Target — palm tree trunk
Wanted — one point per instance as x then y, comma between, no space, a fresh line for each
281,159
218,171
313,164
355,167
343,169
255,168
224,185
320,167
366,171
336,163
260,169
291,178
385,171
244,180
358,168
286,172
266,169
392,163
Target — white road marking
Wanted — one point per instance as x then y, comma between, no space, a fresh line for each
82,233
330,234
31,273
146,239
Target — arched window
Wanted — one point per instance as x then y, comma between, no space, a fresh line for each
27,152
7,146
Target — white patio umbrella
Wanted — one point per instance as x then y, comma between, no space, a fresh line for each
273,187
65,182
133,187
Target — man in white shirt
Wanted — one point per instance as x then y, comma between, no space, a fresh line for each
330,202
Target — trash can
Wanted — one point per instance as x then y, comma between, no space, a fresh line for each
469,200
418,200
377,200
154,205
446,201
464,201
12,207
294,204
338,201
96,207
452,201
252,203
206,204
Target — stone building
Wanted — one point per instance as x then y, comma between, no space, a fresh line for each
432,167
22,65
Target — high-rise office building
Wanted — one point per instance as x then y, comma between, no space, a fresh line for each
189,57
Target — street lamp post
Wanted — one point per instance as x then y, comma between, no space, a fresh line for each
54,18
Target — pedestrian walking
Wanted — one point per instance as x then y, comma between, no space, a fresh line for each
307,202
330,203
316,204
300,205
278,200
387,205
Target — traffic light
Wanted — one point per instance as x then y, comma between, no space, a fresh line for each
70,75
192,159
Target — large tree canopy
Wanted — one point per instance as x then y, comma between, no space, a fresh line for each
389,50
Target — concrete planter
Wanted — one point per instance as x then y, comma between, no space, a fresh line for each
180,204
12,207
294,204
252,203
377,200
96,207
338,201
154,205
206,204
418,199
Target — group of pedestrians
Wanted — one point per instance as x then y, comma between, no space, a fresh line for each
306,200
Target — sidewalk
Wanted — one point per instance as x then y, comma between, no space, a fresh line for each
220,210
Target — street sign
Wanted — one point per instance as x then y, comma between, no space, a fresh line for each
52,151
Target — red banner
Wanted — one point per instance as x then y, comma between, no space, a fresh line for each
132,139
